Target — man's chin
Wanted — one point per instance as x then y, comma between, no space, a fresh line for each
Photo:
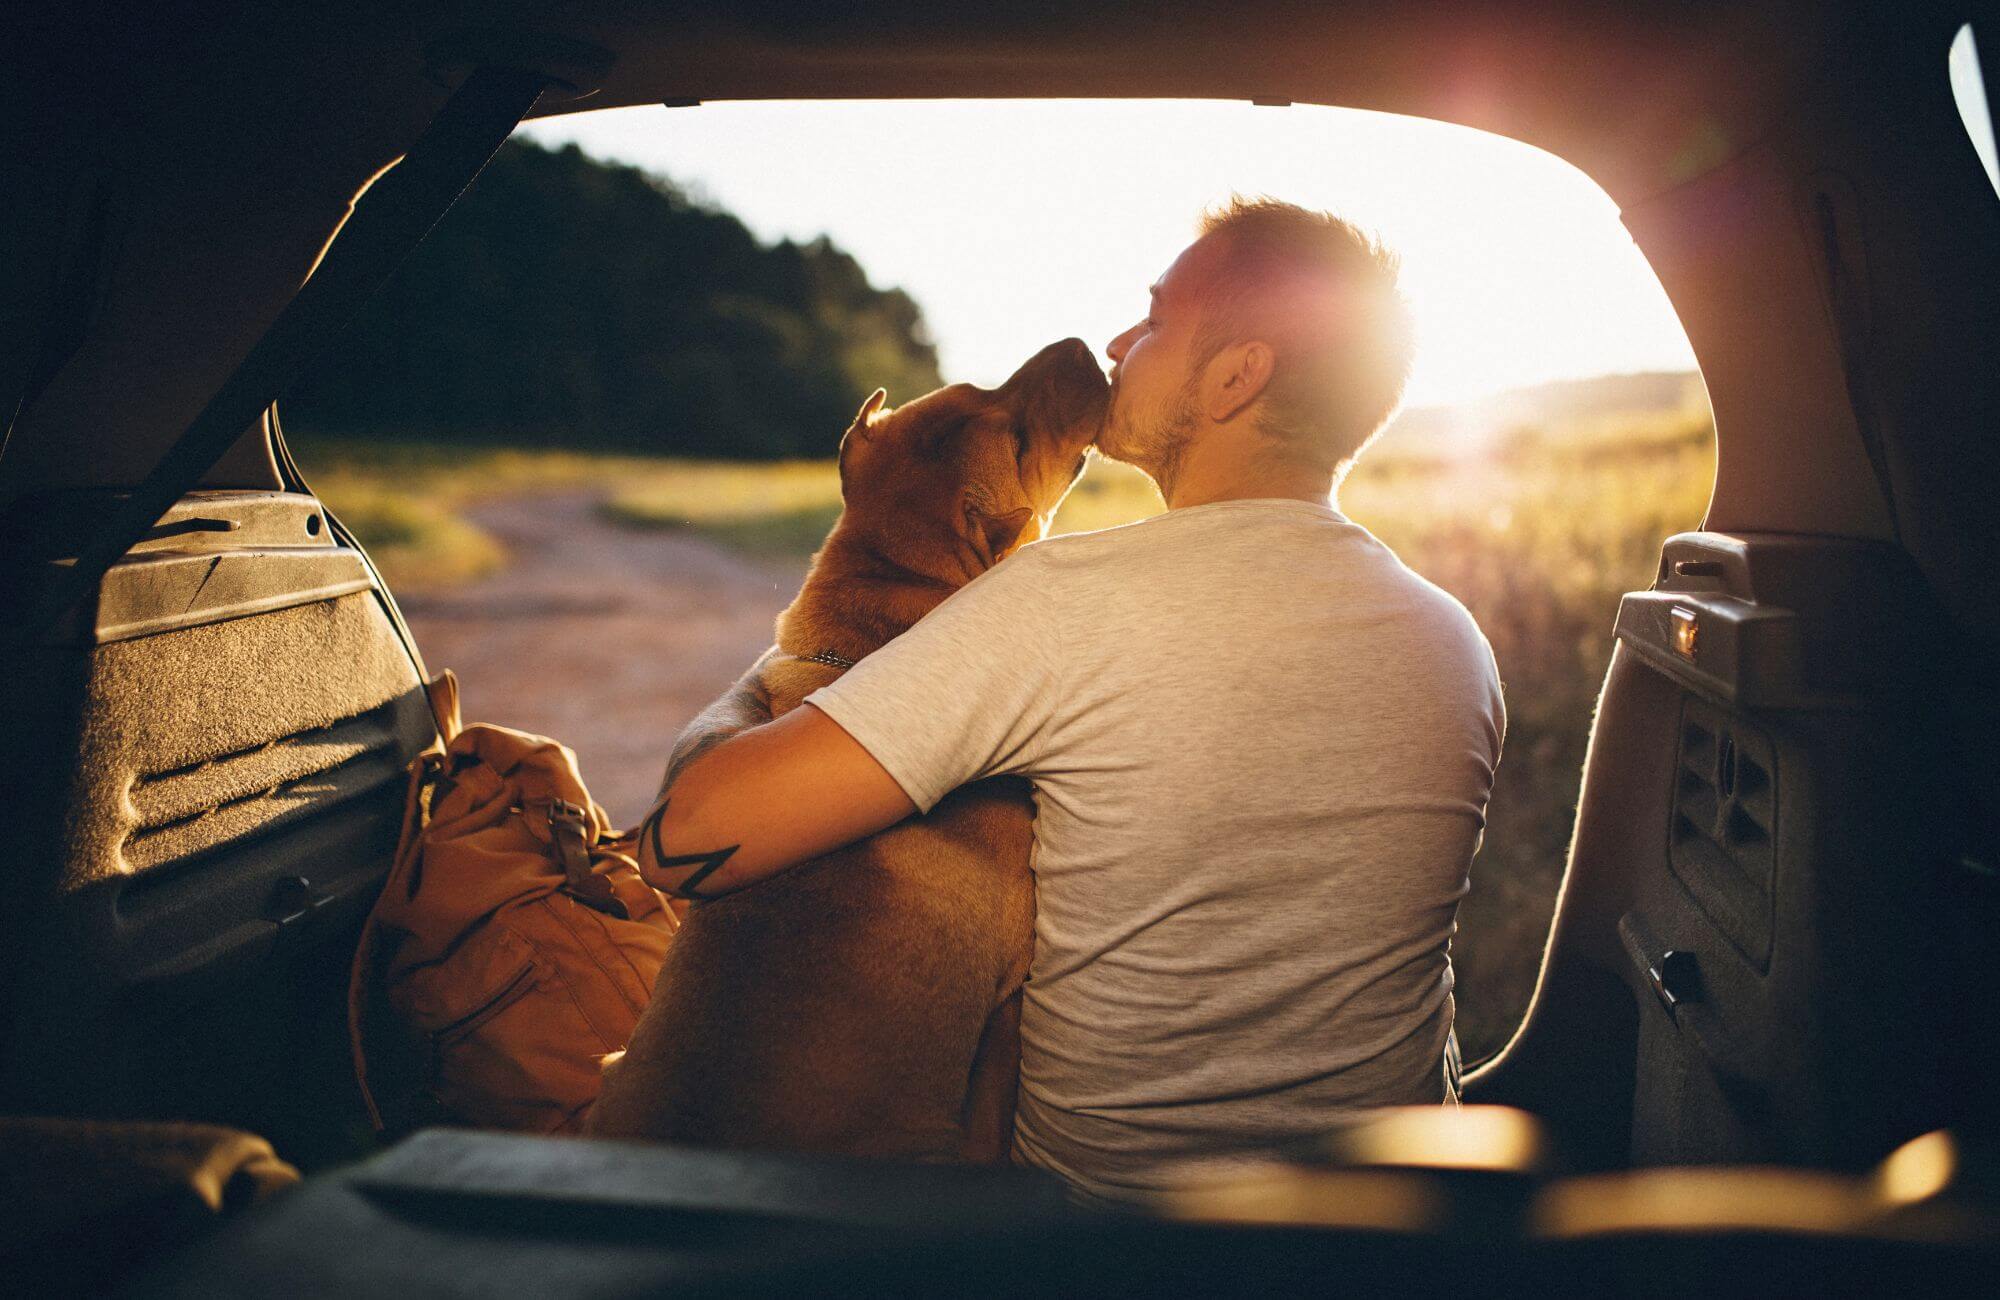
1121,457
1113,445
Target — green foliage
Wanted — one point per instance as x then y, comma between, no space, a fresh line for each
573,303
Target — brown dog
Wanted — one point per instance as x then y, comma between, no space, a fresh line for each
867,1003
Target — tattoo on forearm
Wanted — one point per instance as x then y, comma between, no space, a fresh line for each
707,864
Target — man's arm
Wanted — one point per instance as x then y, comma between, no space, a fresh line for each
963,694
743,706
764,800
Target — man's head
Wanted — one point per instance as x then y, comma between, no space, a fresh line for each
1278,322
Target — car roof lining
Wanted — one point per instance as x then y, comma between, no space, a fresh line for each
1640,98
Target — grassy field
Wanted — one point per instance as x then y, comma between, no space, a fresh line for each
788,507
405,499
1538,537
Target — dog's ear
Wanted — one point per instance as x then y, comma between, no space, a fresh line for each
993,536
870,411
865,417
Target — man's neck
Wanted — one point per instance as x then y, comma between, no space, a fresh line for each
1220,469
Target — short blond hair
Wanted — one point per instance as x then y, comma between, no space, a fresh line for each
1323,295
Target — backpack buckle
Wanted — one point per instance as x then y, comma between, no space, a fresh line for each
569,831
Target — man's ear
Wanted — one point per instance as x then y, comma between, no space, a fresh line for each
993,536
1235,377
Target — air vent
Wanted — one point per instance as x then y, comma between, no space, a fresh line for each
189,810
1723,841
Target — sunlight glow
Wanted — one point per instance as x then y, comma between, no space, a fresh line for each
1919,1169
1013,223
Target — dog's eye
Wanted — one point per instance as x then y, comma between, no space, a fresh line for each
1020,435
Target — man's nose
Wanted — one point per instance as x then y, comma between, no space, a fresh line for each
1117,348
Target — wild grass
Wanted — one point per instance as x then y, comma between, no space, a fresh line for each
405,498
416,541
784,507
787,507
1538,537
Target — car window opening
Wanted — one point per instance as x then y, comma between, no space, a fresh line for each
592,498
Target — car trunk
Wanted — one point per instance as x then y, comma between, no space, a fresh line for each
1783,879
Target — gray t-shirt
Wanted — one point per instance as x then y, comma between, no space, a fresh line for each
1261,748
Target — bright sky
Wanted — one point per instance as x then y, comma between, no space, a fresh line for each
1015,223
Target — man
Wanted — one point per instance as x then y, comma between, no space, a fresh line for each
1260,746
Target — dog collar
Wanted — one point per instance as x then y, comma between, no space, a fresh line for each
829,658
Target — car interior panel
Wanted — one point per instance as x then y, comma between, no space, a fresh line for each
1774,936
223,746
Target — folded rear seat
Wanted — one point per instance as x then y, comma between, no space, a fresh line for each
211,755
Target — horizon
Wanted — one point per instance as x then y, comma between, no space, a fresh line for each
1515,263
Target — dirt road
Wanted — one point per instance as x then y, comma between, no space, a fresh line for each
607,639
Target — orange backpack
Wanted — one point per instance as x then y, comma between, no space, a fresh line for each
513,946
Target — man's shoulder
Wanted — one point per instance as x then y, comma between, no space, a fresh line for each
1083,550
1443,640
1441,615
1424,613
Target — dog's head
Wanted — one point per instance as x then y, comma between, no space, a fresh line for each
950,483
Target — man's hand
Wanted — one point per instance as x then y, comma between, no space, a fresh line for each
764,800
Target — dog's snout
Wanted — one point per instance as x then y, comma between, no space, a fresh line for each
1062,384
1083,357
1068,354
1080,364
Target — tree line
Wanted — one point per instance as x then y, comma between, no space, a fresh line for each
571,302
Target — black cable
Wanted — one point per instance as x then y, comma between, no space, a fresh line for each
294,480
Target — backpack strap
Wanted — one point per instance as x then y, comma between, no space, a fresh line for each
571,834
442,692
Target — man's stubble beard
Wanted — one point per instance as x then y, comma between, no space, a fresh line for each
1156,451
